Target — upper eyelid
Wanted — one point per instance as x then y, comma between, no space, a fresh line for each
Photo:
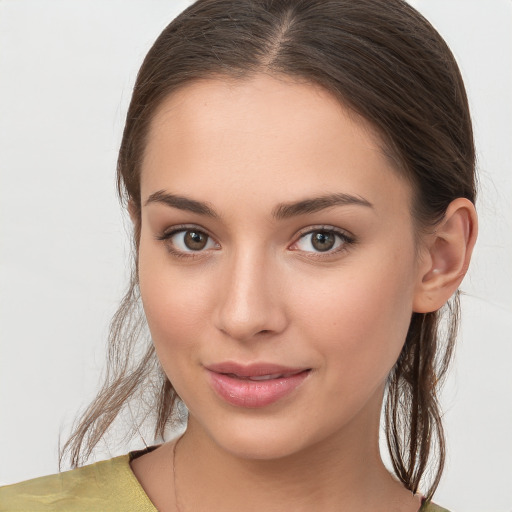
178,228
308,229
312,229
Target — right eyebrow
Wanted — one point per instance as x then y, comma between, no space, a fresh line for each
181,203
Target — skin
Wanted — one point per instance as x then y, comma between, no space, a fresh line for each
260,292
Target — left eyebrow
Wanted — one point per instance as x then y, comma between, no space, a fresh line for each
316,204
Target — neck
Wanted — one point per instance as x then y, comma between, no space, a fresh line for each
342,472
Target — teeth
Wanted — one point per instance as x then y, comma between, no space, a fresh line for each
267,377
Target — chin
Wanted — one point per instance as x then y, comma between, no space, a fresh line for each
270,447
261,438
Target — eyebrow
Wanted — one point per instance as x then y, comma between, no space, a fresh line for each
181,203
281,211
316,204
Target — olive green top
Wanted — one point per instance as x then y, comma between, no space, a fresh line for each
107,486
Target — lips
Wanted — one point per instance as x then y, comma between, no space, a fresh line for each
256,385
262,377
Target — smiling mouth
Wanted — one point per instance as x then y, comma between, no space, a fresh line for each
255,386
259,378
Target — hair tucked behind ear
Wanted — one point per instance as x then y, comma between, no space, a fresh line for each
384,61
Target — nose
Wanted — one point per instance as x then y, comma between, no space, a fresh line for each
251,299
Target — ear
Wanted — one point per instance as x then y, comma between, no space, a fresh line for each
446,256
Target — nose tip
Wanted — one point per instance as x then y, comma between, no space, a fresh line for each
242,322
251,305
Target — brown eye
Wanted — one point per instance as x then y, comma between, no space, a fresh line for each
183,241
195,240
323,240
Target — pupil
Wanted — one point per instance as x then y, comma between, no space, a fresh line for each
195,241
323,240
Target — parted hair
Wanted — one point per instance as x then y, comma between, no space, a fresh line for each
386,63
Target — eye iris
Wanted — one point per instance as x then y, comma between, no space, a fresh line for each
195,241
323,240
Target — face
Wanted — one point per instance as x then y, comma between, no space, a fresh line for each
277,263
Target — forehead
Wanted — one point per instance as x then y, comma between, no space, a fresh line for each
279,138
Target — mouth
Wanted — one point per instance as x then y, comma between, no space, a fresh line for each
259,378
254,386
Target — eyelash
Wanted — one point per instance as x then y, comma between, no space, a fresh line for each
343,237
168,234
346,240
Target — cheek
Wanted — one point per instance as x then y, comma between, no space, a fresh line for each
360,317
175,310
175,301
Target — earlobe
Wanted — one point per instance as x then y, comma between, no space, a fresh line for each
447,256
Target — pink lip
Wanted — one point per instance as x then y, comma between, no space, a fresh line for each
232,382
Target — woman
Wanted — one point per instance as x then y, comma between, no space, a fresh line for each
300,177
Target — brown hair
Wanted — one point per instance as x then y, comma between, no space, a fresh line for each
383,60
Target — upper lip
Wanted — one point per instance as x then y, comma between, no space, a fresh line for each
253,369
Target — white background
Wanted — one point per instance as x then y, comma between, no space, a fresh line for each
66,73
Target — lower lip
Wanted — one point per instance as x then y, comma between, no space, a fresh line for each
251,393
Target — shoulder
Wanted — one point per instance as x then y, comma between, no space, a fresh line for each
432,507
109,485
